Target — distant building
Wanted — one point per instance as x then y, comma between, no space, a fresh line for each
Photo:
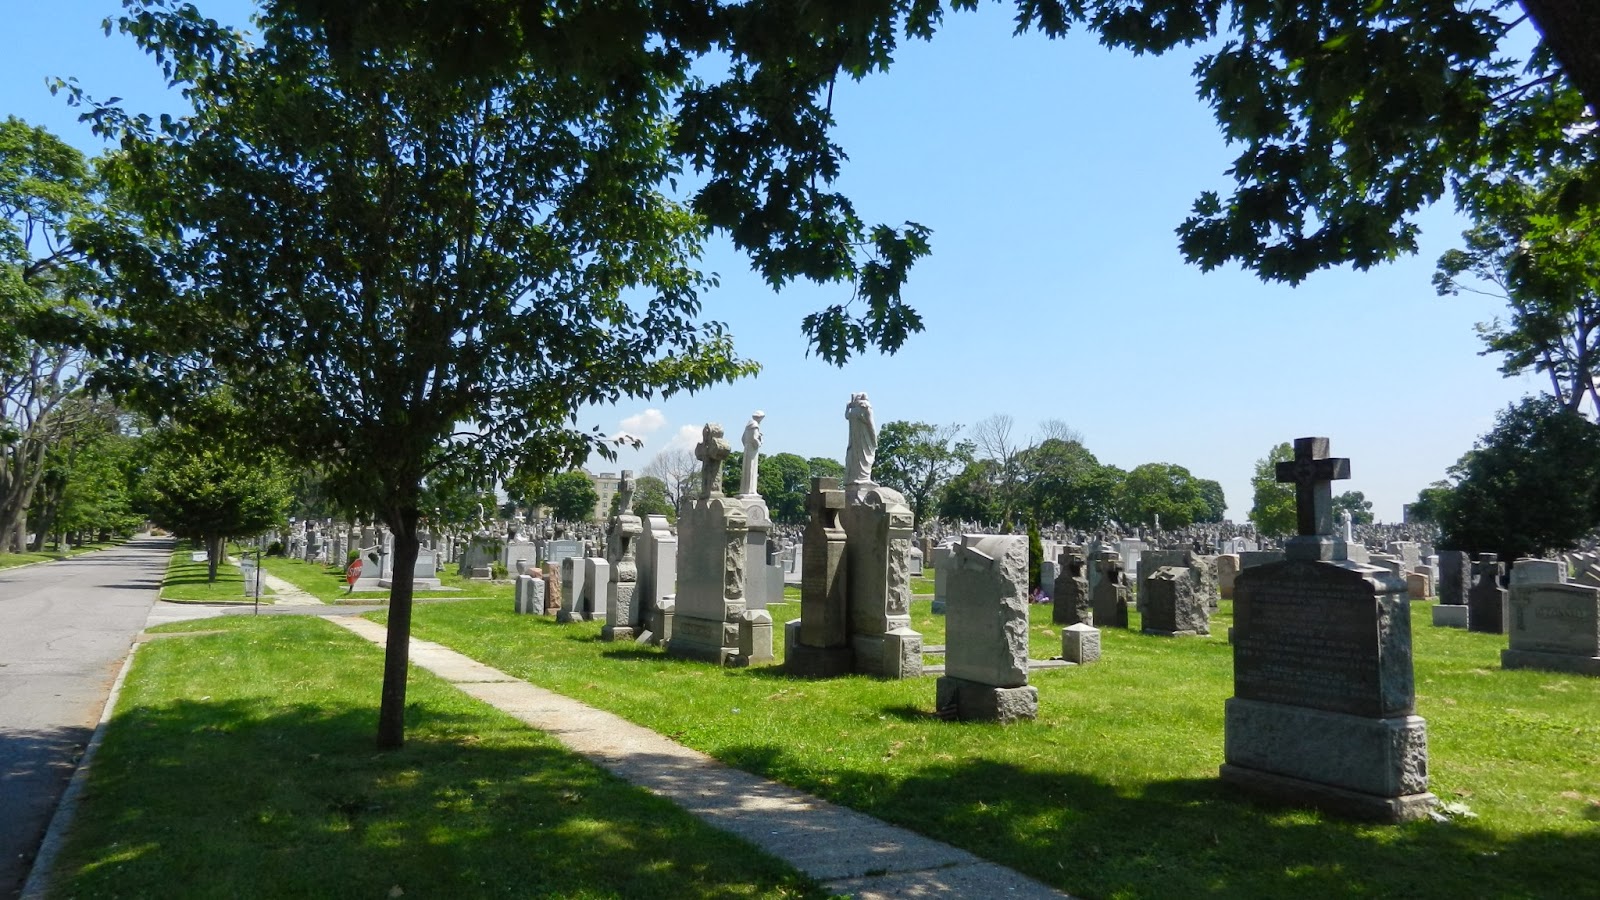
605,484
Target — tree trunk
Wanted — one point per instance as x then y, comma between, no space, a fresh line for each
397,654
1571,29
213,556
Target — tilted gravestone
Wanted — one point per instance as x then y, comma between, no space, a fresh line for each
1172,608
1323,711
986,633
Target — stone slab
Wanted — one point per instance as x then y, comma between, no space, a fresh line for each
1450,616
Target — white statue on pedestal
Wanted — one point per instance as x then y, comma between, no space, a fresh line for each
1344,516
752,454
863,445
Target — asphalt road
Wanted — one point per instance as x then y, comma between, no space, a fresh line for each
65,628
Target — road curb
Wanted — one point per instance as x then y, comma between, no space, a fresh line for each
39,875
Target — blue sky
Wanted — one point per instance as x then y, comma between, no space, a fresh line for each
1052,174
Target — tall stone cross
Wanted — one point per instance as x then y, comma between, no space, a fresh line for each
1313,473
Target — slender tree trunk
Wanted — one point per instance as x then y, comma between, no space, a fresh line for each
397,654
213,556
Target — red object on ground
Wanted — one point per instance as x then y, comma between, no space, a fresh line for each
352,571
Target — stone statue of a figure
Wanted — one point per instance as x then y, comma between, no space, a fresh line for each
752,454
863,445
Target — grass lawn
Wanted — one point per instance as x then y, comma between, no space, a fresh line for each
327,584
1113,791
11,560
242,764
187,581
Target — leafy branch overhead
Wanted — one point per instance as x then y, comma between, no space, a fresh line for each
1350,115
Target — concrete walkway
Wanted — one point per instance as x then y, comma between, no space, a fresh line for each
850,853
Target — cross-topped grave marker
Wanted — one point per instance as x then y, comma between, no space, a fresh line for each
1312,473
711,451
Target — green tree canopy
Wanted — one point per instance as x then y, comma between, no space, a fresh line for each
1357,503
571,496
1161,489
1530,486
1272,508
1216,502
1350,115
650,498
1541,253
209,483
918,459
400,271
1067,484
970,495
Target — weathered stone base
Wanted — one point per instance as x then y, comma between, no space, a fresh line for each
803,661
661,622
1550,662
1159,633
704,639
1380,760
896,653
1450,616
938,607
616,633
971,701
1351,804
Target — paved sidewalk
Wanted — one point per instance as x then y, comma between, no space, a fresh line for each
847,851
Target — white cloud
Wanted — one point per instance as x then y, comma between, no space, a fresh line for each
645,422
687,436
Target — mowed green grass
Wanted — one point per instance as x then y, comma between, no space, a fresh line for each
243,764
1113,791
12,560
188,581
327,583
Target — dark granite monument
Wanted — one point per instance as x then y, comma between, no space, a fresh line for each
1323,707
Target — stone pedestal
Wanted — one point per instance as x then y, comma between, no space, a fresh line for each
877,525
1080,644
572,574
658,564
965,700
623,619
661,621
711,579
755,638
758,527
819,644
1450,616
596,584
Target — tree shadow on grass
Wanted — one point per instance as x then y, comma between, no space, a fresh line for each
297,802
1188,837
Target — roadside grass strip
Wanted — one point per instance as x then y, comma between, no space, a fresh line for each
243,764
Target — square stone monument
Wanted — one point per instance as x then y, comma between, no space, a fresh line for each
877,527
1109,595
623,610
1323,711
1486,602
1552,625
1173,608
1069,603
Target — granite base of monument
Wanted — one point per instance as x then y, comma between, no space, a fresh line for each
1550,662
972,701
804,661
1450,616
1355,765
896,653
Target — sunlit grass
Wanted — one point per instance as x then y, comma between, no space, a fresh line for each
243,764
1113,791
